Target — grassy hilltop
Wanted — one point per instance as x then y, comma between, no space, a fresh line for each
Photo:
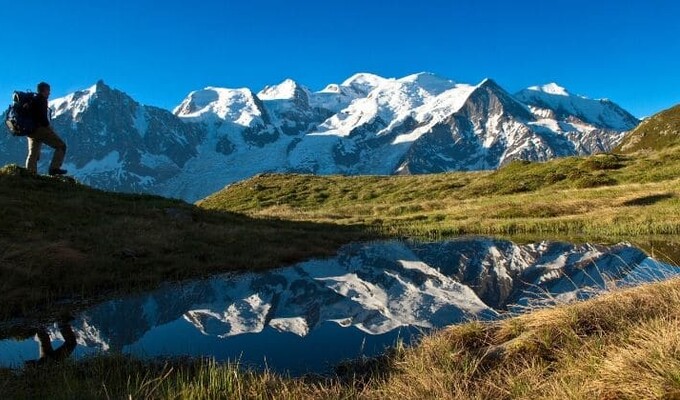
602,195
659,132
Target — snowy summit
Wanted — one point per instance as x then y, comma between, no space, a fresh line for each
551,88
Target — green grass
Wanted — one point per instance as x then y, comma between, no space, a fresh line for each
622,345
599,196
657,133
65,243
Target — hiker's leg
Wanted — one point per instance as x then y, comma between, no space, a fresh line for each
70,342
35,141
34,146
45,343
54,141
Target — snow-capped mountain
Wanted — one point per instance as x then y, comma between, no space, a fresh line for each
114,142
375,288
552,101
367,124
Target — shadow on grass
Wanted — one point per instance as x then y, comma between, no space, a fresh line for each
64,245
648,200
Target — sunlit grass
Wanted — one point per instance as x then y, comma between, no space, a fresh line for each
605,195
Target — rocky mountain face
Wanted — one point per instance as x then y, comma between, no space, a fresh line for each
375,288
421,123
115,143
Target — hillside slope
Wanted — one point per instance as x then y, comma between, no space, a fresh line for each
62,242
659,132
601,195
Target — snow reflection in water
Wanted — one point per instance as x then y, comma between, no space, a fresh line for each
310,316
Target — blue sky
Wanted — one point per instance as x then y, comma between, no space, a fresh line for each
158,51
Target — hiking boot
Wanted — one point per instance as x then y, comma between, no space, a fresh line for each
57,172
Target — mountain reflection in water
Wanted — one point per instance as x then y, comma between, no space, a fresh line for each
309,316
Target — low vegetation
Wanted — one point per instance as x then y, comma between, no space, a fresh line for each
622,345
656,133
600,196
63,243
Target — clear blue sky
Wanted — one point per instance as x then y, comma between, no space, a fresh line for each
158,51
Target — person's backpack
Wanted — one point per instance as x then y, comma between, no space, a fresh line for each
18,119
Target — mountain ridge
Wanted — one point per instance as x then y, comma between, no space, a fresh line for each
420,123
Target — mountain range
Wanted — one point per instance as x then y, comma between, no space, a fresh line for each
422,123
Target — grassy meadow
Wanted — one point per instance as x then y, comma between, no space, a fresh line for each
602,196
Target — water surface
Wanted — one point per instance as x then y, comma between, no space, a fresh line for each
315,314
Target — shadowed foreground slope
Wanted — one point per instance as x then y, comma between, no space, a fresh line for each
61,241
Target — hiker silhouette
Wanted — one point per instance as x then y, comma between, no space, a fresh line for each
44,134
49,353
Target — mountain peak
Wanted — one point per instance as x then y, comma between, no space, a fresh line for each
363,77
488,82
551,88
423,76
600,113
99,87
364,81
240,106
286,90
432,83
77,102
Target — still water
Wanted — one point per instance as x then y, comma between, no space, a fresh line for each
311,316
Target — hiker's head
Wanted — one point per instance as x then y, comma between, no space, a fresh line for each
44,89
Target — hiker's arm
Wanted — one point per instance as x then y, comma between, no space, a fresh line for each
39,112
43,119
